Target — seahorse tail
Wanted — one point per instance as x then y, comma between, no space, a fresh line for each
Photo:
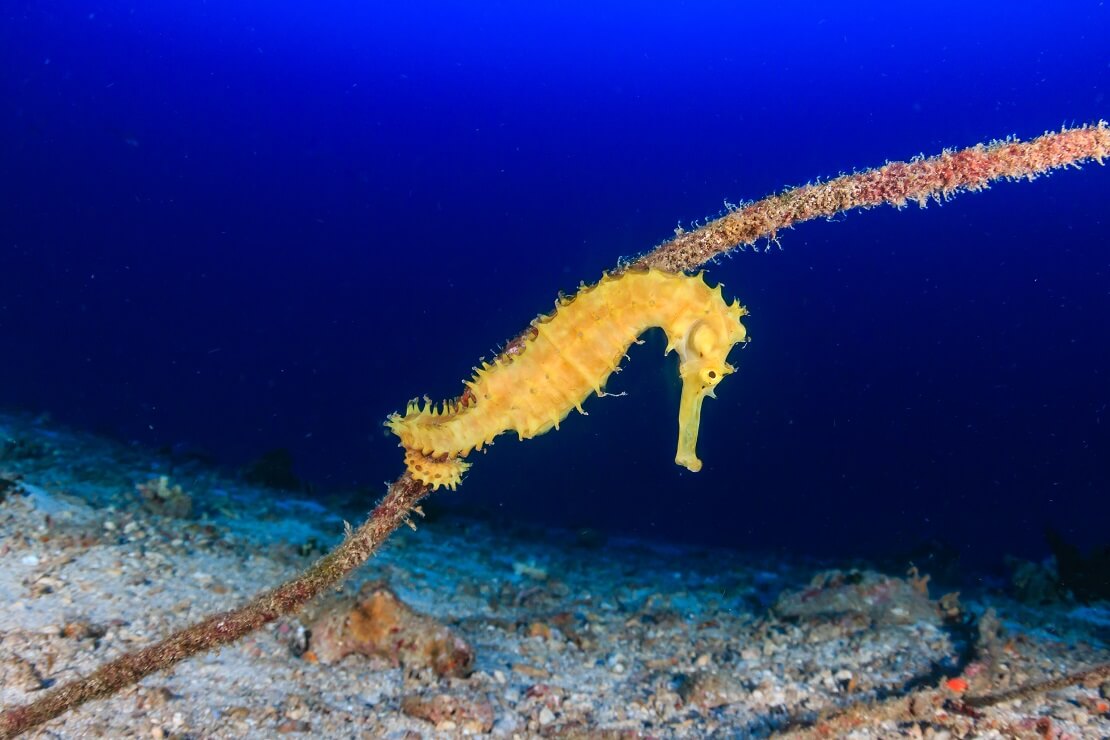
441,471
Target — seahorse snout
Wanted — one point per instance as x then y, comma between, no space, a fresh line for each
703,367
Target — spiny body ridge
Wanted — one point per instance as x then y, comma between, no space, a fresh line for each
568,355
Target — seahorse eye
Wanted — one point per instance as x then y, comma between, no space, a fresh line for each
710,377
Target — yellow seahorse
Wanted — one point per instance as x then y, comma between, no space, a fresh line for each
568,355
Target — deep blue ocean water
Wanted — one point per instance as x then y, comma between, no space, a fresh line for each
246,225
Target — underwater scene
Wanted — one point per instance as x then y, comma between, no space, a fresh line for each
590,370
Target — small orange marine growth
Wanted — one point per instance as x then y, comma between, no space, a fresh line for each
568,356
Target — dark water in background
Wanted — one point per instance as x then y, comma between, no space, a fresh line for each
246,225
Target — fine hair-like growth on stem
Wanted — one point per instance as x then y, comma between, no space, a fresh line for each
895,183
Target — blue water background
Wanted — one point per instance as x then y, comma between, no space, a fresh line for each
244,225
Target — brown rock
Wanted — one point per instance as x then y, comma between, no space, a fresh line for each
292,726
883,599
80,630
539,629
531,671
710,689
23,674
376,623
475,715
159,497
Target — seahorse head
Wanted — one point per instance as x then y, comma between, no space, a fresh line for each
704,350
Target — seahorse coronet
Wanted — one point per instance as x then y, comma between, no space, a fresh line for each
567,356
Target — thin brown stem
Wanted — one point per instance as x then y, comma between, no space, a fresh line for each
896,183
1095,674
923,705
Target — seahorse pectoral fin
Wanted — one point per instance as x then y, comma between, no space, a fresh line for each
689,419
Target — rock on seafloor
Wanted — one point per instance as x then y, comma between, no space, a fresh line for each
378,624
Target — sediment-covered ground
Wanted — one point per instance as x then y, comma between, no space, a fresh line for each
507,631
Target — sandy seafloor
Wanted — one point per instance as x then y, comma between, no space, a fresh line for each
570,638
